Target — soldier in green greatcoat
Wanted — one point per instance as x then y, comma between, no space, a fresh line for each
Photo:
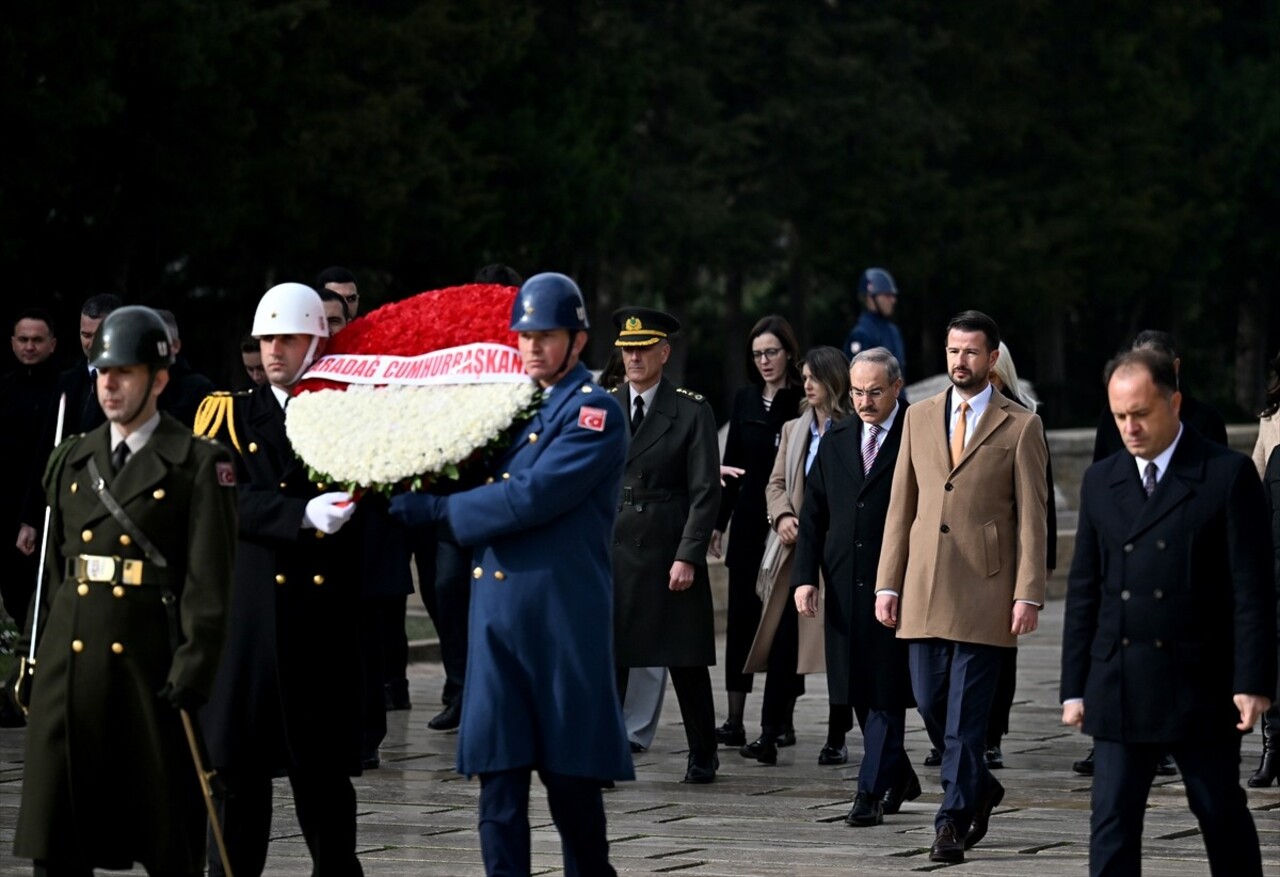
131,624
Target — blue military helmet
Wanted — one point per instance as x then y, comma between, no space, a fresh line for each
132,335
548,301
876,281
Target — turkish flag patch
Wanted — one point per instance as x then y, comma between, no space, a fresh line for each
226,474
591,418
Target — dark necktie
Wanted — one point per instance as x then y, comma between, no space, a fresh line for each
1149,479
871,448
120,456
637,416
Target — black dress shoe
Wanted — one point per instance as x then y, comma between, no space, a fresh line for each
982,817
946,846
1269,768
831,755
907,788
1166,766
731,734
995,758
395,695
761,749
448,718
1084,766
636,748
787,738
866,811
702,769
933,759
370,761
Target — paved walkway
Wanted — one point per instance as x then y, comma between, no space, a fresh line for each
417,817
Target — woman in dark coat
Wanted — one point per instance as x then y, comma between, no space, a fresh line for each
759,410
1005,377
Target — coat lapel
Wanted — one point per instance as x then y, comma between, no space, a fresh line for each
888,454
990,421
147,468
1176,486
656,422
848,444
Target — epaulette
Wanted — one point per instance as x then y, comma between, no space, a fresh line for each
59,455
697,397
215,410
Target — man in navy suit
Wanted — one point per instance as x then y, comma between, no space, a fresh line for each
1169,636
842,520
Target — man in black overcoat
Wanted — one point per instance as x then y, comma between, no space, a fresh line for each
841,527
1169,639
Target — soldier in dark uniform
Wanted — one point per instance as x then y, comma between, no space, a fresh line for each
287,697
131,624
670,495
875,327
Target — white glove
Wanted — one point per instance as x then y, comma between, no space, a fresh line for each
329,511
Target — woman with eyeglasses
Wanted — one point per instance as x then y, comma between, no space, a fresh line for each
755,428
786,645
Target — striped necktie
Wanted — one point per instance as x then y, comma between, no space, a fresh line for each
872,447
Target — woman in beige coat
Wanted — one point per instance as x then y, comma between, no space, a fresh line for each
785,644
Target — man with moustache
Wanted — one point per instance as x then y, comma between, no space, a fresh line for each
131,624
841,527
539,689
670,497
287,698
962,567
1169,635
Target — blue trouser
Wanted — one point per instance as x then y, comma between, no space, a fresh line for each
883,758
1122,775
954,684
576,806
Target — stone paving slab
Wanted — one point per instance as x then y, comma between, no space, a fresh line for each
418,817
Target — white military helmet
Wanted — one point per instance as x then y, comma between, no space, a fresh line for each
290,309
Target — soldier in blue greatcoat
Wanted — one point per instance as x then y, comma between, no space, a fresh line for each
540,691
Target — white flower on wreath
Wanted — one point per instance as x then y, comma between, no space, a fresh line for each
380,436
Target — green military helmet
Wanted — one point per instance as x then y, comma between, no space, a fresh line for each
132,335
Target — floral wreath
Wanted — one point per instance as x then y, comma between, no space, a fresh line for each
416,392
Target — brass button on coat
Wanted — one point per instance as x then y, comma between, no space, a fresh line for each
74,487
320,485
506,476
253,447
319,580
77,646
158,494
500,575
117,592
125,540
117,648
533,438
87,536
83,590
280,578
319,534
477,572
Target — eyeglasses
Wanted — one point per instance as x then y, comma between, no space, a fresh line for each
858,393
767,353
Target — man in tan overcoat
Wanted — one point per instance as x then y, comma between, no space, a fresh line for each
962,568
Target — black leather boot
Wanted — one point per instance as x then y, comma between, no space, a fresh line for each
1269,769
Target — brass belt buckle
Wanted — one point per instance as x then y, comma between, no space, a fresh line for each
98,568
132,572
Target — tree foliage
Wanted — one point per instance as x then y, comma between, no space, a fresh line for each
1080,171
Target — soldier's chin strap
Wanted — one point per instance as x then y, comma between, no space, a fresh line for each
568,354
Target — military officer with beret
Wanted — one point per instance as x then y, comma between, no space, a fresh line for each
287,697
130,624
670,495
540,692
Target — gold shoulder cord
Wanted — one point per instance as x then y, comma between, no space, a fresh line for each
210,416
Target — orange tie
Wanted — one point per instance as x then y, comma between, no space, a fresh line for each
957,436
